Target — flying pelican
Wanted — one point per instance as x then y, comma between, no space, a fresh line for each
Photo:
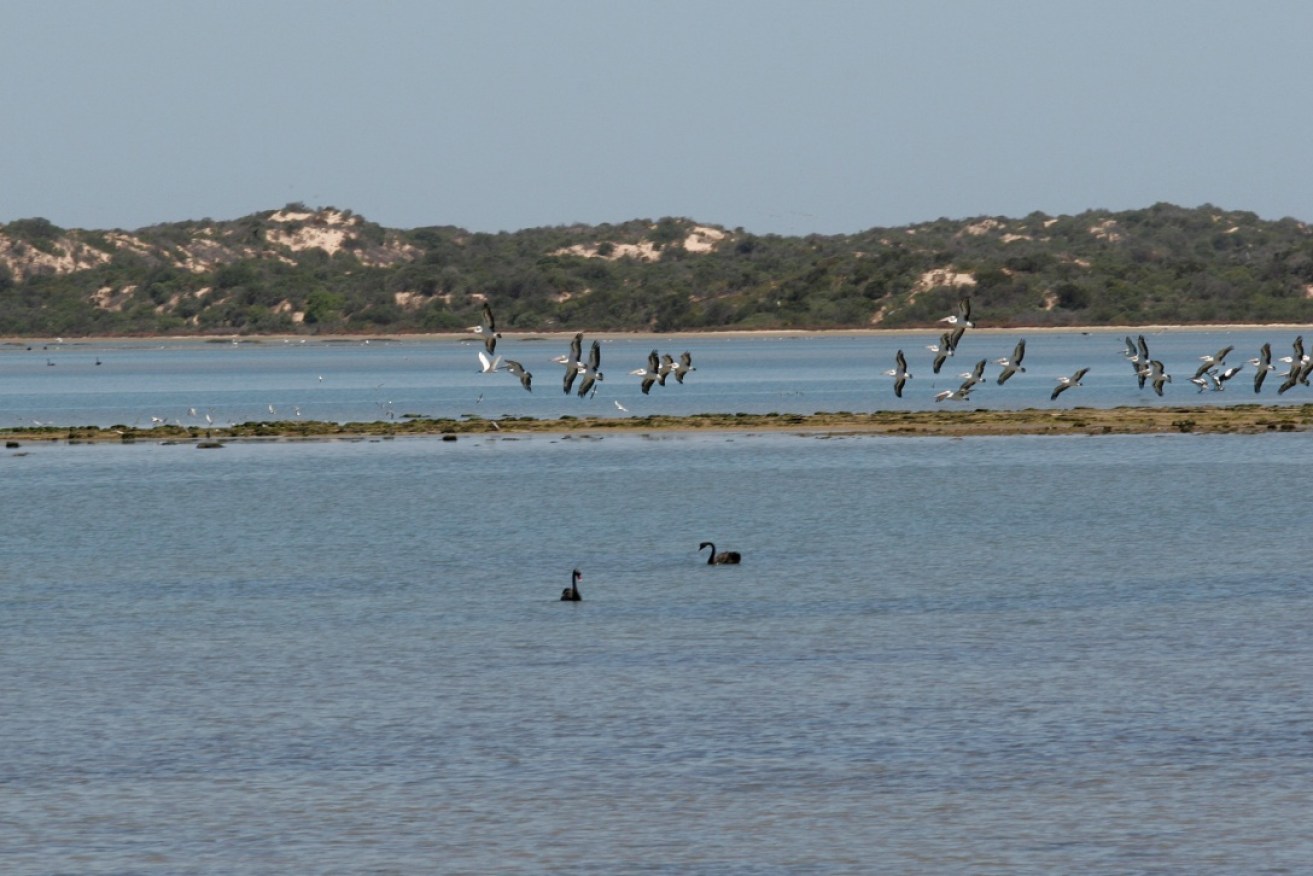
1066,383
1012,364
724,558
620,407
974,376
1227,375
1159,375
963,316
1264,364
571,593
962,393
591,372
667,366
526,378
1215,359
685,365
574,362
942,350
487,329
1297,357
899,373
651,374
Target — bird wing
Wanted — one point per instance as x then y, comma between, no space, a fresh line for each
576,348
954,336
1144,349
653,362
595,356
489,324
1019,352
901,361
686,359
571,369
1075,378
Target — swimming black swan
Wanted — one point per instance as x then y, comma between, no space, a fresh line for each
724,558
571,593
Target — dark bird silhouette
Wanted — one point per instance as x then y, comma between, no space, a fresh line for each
573,362
724,558
526,377
1012,364
1264,364
1159,375
571,593
651,373
1066,383
685,365
962,318
1217,359
899,373
591,371
488,330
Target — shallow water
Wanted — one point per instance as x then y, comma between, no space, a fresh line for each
1012,655
197,383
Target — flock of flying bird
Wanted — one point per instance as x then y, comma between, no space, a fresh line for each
587,371
1213,372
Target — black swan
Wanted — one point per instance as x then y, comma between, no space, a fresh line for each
724,558
571,593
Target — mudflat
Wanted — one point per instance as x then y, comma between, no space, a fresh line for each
1243,419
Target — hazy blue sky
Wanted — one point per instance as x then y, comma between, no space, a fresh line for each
785,117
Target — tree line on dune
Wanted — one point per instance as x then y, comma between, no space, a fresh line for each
324,271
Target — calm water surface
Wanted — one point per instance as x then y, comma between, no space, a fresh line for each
994,655
137,383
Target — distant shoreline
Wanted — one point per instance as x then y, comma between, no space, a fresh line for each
512,336
1206,419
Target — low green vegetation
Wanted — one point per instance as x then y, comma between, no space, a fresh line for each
320,271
